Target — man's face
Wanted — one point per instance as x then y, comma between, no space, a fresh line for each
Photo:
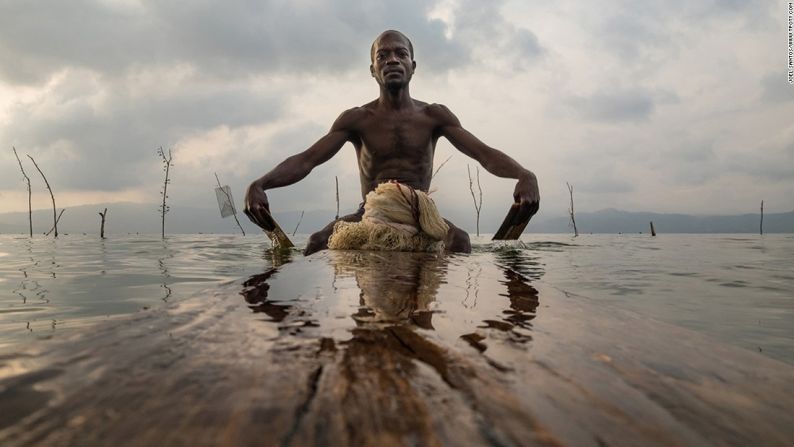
392,64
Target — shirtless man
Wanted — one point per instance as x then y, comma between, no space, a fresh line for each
395,139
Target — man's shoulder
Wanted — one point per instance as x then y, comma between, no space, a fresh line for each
350,117
357,112
441,114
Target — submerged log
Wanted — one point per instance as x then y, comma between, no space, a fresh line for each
358,348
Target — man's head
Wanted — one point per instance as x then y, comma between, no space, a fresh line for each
392,56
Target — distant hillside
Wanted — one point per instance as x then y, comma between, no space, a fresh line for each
616,221
144,218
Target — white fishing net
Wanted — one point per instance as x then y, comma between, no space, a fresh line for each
396,218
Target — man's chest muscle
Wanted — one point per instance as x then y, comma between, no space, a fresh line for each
397,138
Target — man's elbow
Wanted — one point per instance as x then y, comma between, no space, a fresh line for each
304,168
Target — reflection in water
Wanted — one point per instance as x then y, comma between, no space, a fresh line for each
523,300
472,285
396,287
163,267
27,284
380,335
519,269
30,288
519,261
255,294
255,289
399,293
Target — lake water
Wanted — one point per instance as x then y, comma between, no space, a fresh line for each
737,289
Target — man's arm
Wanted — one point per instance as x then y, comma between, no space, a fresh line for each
526,194
295,168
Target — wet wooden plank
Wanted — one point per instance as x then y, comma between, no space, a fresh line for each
507,230
277,237
393,349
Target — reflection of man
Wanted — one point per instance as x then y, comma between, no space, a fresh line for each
395,138
395,287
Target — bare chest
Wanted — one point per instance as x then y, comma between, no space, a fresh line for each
386,138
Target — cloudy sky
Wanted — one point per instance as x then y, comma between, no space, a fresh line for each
675,106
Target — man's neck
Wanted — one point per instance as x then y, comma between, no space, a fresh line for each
395,99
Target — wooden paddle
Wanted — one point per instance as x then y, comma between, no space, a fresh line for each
278,237
509,230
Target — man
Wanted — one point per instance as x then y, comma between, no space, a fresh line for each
395,139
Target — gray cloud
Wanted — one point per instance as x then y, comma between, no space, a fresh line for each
236,38
484,28
606,182
38,38
634,30
631,33
762,169
614,106
695,162
764,164
775,88
114,140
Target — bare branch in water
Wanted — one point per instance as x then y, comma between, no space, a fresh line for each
439,167
167,168
299,224
54,217
27,180
55,226
570,211
477,206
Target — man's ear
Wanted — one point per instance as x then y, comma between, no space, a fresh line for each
413,63
371,70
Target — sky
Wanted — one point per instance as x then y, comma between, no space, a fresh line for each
675,106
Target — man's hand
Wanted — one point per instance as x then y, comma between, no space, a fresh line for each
257,208
527,196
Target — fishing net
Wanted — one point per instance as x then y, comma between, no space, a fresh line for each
396,218
225,201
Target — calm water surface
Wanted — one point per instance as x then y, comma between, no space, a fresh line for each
738,289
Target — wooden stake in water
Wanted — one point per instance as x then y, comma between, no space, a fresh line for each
102,226
653,230
762,218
